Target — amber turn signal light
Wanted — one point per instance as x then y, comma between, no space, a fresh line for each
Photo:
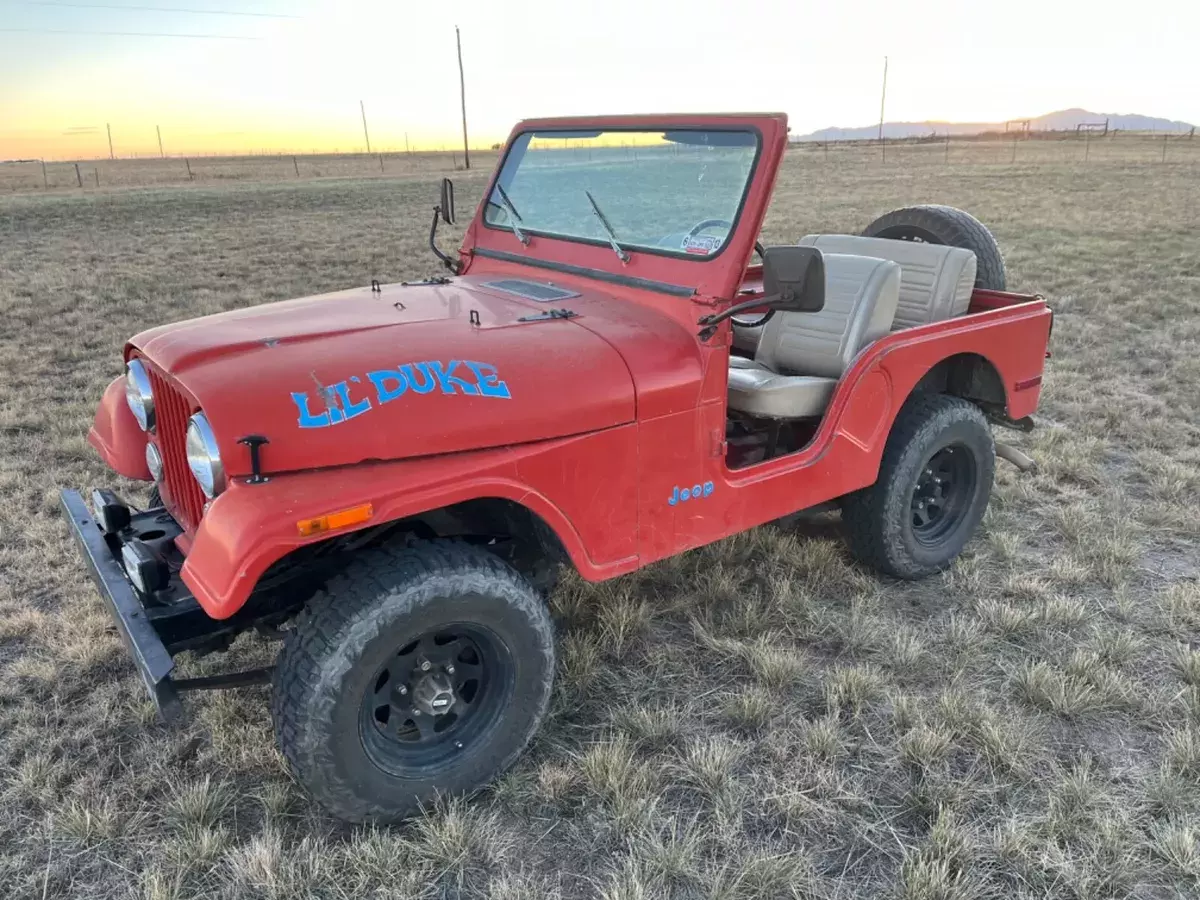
334,520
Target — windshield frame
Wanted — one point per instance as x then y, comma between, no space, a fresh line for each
631,247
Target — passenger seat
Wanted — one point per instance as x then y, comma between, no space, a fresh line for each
801,356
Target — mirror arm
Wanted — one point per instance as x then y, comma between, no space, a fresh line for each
710,323
446,260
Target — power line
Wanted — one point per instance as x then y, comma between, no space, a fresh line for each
167,34
163,9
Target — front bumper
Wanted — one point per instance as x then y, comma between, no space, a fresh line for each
150,654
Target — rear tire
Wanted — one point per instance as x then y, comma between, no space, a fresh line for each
418,672
934,483
936,224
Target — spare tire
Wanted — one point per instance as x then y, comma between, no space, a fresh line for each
935,224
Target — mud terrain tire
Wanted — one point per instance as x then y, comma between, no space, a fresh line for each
352,639
933,488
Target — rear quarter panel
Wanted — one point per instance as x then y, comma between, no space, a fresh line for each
845,454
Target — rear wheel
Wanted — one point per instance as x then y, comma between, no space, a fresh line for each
933,488
936,224
418,672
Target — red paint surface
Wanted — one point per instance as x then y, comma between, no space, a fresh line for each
610,411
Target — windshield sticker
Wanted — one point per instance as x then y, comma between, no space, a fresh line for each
703,244
337,403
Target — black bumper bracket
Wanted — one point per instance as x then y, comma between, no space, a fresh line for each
150,655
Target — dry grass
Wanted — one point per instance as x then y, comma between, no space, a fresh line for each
760,718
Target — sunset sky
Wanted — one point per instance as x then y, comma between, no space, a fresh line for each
289,74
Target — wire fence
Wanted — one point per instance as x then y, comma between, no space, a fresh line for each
1016,150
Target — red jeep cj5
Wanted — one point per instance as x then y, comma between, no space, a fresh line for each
388,477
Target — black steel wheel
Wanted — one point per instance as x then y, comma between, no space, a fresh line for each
935,224
932,490
418,672
434,697
943,493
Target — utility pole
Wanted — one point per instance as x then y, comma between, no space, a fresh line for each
110,150
462,89
882,101
158,130
364,115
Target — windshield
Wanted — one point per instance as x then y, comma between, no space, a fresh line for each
677,191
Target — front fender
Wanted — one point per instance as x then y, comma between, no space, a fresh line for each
249,527
117,436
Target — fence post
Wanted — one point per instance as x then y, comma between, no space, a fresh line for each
827,151
45,181
380,162
1087,144
1164,158
296,166
78,176
947,160
187,162
96,171
1014,153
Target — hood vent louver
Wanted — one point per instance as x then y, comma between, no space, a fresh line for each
540,292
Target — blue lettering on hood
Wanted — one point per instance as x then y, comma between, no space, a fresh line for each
345,400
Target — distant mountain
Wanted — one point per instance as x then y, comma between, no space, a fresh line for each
1063,120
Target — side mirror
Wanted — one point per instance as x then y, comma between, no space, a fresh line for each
446,206
797,276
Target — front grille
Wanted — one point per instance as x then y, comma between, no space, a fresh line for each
181,493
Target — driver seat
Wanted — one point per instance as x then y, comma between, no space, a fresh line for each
801,356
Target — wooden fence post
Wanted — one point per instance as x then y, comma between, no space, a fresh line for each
45,181
187,162
380,162
1164,158
947,159
296,166
96,172
78,176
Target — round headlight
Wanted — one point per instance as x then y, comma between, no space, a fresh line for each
138,395
154,461
204,459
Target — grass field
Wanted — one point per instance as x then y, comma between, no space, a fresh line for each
760,718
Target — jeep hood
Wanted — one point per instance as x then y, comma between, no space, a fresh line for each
388,373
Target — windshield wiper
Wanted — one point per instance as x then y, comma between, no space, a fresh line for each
612,235
514,215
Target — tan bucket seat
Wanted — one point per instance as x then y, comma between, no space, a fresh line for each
801,356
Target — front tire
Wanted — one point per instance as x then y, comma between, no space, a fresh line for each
417,672
934,483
